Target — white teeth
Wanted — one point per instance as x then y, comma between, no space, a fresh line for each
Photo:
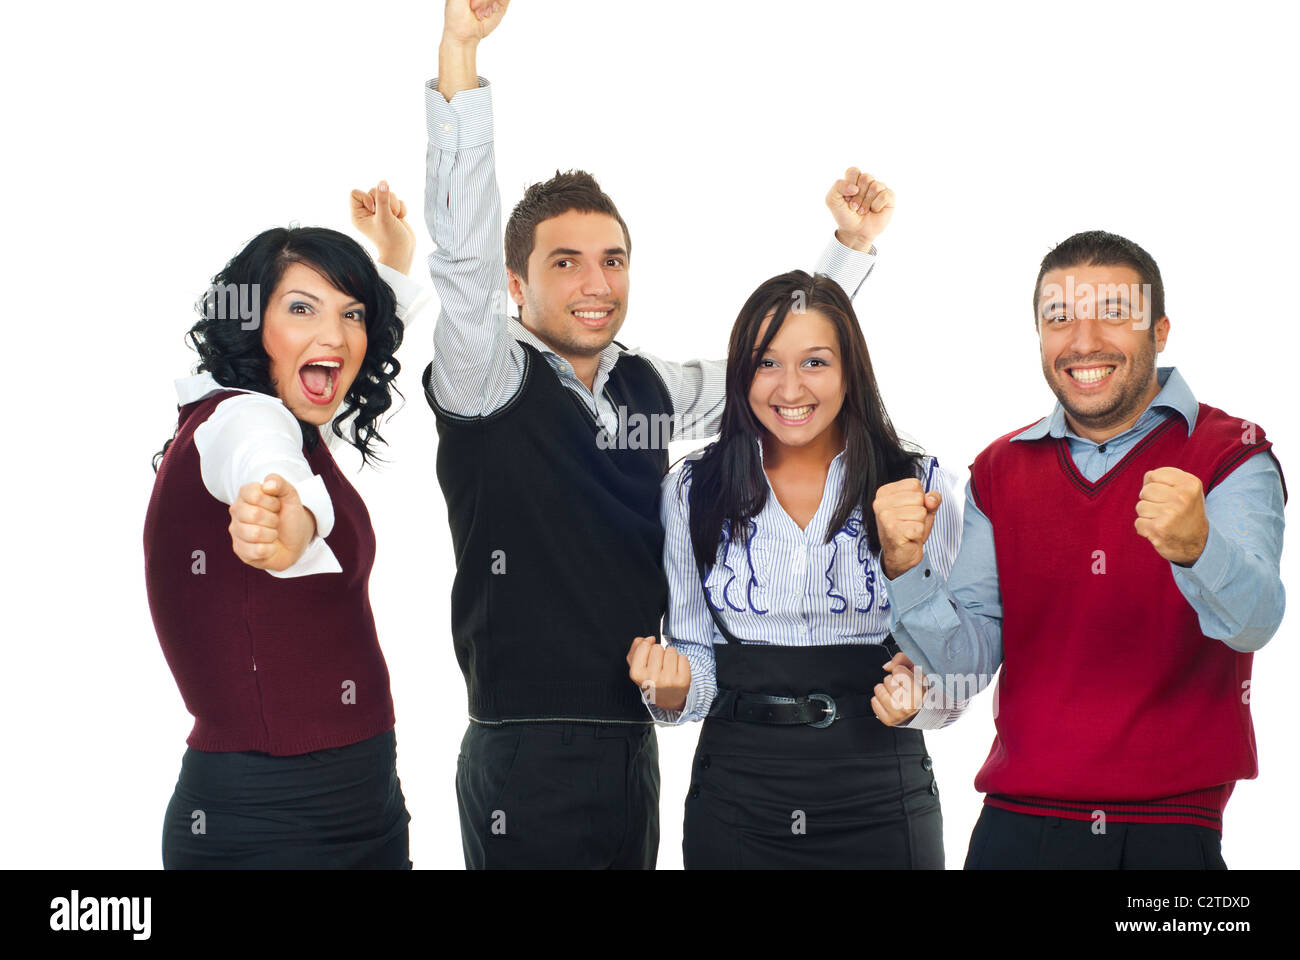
590,314
324,363
1093,375
794,413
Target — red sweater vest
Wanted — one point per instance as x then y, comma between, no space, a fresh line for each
278,665
1110,698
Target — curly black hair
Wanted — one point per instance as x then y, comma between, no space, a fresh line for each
231,349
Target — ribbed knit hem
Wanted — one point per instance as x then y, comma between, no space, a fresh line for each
291,744
596,701
1202,808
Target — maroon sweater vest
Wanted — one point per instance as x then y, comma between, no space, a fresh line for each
1110,697
279,665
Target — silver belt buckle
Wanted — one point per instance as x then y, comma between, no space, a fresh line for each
829,711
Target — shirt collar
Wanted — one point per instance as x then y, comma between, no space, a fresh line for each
198,386
608,356
1174,395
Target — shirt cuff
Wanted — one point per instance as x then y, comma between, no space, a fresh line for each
1210,570
317,558
850,267
316,498
912,588
464,121
410,295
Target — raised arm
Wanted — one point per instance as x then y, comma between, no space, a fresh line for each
862,207
477,366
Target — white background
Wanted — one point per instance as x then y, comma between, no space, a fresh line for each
146,143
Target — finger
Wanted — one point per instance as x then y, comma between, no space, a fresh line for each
639,655
873,191
384,210
932,500
1145,528
882,200
359,198
1169,475
656,660
400,212
252,493
252,513
1152,511
1157,492
273,485
683,675
252,533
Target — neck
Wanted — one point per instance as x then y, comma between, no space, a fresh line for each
584,367
815,455
1098,434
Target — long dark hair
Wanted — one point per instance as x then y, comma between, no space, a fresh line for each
728,487
236,358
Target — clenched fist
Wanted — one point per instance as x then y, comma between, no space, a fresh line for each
904,518
898,698
862,207
269,526
1171,514
663,674
381,216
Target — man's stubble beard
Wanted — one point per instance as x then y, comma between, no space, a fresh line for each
1127,400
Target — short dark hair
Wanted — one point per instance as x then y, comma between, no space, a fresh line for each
571,190
1101,249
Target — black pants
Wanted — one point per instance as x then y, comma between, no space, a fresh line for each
337,808
569,795
1004,839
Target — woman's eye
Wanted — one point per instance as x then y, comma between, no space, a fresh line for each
358,315
766,363
817,361
294,307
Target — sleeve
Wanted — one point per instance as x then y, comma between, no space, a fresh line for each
411,296
1235,586
688,626
477,365
698,388
942,704
951,626
249,436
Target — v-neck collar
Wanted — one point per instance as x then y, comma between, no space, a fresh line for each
1090,488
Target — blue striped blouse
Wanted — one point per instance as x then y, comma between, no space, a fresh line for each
788,586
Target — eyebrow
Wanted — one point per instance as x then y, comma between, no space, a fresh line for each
312,296
567,252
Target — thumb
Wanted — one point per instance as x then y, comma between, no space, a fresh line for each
932,500
383,209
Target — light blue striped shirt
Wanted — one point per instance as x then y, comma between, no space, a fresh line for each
788,587
953,624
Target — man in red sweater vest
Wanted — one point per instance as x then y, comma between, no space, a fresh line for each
1120,563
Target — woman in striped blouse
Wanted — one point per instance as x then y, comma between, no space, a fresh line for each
777,632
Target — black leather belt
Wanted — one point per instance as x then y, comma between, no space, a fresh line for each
815,709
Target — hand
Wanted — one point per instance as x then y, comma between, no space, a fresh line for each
862,207
269,526
1171,514
381,216
904,517
902,693
663,674
469,21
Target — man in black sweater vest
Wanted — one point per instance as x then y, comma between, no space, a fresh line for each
552,444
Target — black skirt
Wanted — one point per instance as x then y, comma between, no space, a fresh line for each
855,794
340,808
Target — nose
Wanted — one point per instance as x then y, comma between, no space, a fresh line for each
593,280
329,332
1086,336
790,390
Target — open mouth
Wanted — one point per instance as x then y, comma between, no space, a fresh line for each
320,379
593,318
1091,378
794,416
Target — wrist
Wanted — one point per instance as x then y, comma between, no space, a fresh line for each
855,242
399,260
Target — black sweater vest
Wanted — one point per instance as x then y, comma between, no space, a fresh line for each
559,548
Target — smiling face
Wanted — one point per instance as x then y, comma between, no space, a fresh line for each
798,386
1098,346
315,335
575,297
